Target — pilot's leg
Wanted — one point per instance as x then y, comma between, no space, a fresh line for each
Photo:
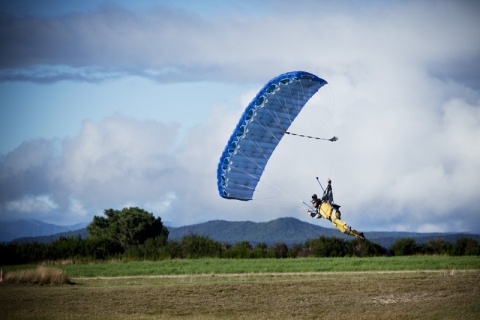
355,233
340,225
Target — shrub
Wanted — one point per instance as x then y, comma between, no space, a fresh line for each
404,247
241,250
364,248
194,246
281,250
42,276
466,246
326,247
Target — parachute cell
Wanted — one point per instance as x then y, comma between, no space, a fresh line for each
259,130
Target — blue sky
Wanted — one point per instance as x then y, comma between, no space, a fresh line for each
48,110
107,104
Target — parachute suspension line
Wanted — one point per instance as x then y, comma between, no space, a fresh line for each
251,159
241,185
274,185
281,193
254,162
271,185
297,106
261,127
298,109
275,117
257,146
264,126
288,198
283,105
303,91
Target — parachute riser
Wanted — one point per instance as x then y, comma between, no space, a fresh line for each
320,184
309,206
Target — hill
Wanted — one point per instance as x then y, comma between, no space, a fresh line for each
287,230
10,230
293,231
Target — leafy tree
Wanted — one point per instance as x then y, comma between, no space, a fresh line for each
128,227
241,250
466,246
326,247
435,246
364,248
67,248
260,250
297,251
152,249
404,247
33,252
281,250
102,248
196,246
174,250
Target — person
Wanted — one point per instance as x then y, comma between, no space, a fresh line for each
324,208
316,202
328,193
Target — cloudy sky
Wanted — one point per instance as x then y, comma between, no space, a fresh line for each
110,104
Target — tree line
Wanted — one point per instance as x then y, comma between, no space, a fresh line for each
135,234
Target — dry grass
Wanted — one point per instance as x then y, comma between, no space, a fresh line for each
41,276
353,295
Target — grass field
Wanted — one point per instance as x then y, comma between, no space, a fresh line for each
421,287
219,266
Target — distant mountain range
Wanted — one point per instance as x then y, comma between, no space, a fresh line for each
287,230
293,231
11,230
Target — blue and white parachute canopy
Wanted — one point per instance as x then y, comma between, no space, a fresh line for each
261,127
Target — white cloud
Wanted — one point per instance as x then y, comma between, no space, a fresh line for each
107,164
176,45
402,96
32,204
77,209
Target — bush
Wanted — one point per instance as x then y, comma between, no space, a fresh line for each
364,248
465,247
41,275
151,249
436,246
281,250
241,250
102,248
260,250
194,246
404,247
326,247
297,251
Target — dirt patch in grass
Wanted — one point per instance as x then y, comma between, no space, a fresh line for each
399,295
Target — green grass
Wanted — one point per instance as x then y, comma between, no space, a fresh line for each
304,288
228,266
